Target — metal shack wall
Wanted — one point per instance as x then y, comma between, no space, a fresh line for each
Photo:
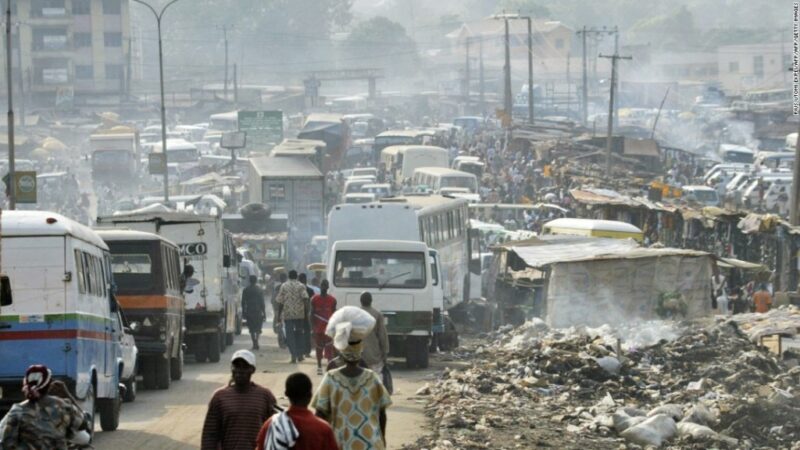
618,291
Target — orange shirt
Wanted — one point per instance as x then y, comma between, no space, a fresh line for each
762,301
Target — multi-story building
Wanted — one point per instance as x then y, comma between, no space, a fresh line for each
71,52
752,67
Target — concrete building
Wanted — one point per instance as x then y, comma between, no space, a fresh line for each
71,52
752,67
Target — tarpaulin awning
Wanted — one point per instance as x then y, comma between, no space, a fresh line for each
733,263
545,250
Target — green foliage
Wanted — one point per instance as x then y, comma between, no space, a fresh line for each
382,42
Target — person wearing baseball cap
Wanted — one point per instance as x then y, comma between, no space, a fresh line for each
237,411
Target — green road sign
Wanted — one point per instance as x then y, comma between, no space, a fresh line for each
155,164
264,129
25,187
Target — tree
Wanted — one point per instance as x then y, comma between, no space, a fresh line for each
380,41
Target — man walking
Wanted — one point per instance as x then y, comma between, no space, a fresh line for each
237,411
292,302
376,344
253,309
762,300
297,427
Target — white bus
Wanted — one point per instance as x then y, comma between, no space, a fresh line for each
402,160
440,222
402,277
179,151
57,309
437,178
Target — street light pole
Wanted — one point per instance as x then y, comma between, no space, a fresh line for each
158,16
530,70
12,195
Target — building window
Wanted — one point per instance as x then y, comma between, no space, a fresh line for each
559,43
84,72
758,66
113,72
113,39
49,39
48,8
81,7
733,67
112,6
82,40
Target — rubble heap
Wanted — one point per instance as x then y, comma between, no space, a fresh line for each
710,386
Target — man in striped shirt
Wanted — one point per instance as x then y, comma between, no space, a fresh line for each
237,411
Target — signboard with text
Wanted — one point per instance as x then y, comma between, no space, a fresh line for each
264,129
25,187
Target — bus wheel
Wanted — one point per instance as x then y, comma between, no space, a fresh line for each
109,412
176,371
163,375
417,352
214,347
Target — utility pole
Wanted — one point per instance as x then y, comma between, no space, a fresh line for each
595,34
614,58
12,197
585,88
794,204
21,79
225,34
235,85
507,102
616,87
530,70
569,88
482,91
466,78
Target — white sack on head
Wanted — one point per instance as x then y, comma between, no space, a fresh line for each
349,323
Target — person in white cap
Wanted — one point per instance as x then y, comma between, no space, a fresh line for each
237,411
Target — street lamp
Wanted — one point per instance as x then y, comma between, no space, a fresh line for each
508,17
158,16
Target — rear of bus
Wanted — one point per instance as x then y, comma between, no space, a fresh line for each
147,276
398,275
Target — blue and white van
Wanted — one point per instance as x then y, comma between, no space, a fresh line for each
58,310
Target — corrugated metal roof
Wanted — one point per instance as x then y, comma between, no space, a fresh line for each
547,250
285,167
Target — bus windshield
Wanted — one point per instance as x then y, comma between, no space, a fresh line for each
459,182
132,272
380,269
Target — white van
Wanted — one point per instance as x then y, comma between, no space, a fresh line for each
58,310
702,194
437,178
402,277
731,153
403,160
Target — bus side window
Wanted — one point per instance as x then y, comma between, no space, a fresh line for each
79,272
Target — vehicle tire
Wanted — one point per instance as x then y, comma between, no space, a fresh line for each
176,371
200,348
163,372
109,409
130,389
214,347
89,405
149,373
423,353
229,339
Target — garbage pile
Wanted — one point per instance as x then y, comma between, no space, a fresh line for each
706,386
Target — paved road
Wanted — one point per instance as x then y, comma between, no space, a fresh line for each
173,419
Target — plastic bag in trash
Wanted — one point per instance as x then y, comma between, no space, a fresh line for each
654,431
